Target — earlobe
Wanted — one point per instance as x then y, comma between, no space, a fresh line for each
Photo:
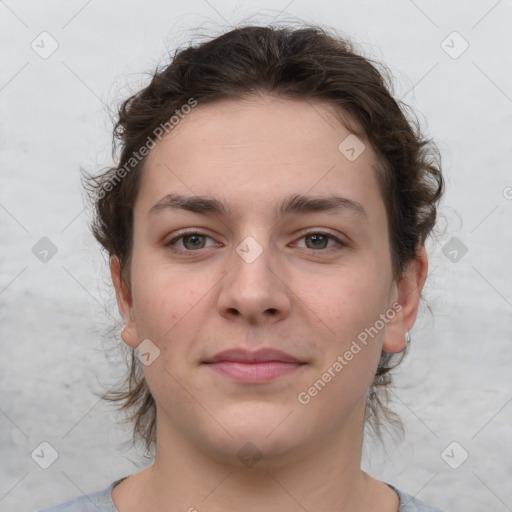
124,303
129,334
408,293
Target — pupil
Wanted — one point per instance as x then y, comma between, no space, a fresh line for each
318,238
196,240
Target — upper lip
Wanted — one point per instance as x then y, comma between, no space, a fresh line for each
263,355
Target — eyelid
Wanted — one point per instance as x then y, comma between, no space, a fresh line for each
321,231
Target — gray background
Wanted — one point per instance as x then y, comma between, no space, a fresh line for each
454,386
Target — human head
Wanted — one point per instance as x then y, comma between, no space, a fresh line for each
307,64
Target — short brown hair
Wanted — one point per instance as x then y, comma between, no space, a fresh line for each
305,63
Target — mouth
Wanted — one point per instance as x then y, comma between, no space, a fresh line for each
248,366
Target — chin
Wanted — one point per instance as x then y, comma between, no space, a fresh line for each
265,435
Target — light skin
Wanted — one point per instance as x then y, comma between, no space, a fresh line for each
306,294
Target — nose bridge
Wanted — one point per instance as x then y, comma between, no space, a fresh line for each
252,288
252,263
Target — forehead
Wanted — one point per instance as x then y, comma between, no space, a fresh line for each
258,149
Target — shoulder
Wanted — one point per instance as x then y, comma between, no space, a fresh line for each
99,501
409,503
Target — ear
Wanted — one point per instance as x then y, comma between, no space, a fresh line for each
407,292
124,303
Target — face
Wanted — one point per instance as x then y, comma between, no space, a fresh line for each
260,261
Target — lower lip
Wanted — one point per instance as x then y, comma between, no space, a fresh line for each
254,372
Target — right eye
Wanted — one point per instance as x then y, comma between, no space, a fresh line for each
187,242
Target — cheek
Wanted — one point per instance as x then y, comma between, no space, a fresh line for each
171,308
349,303
161,295
346,299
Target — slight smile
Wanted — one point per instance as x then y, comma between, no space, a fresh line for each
263,365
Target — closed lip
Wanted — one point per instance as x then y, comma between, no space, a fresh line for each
264,355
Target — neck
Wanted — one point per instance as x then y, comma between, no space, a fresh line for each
326,477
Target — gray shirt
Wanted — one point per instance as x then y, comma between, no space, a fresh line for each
101,501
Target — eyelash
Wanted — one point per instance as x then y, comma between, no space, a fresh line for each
172,243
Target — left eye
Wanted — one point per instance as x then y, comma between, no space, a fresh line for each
319,240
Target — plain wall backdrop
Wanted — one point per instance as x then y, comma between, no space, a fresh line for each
64,64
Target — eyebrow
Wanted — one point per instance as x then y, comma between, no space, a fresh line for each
294,204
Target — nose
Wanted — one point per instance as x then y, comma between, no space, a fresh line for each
256,288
